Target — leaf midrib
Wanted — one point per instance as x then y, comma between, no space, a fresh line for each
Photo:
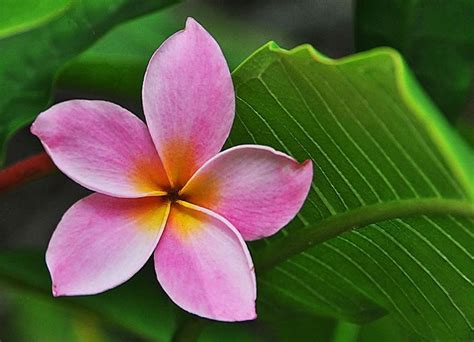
330,227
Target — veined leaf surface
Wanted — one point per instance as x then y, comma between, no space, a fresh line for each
389,187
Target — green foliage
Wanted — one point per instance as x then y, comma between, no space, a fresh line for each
436,38
34,318
35,46
139,307
20,16
389,188
113,68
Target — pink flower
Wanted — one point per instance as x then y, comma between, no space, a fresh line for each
166,189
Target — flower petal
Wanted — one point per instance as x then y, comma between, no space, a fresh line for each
258,189
103,147
188,99
102,241
204,265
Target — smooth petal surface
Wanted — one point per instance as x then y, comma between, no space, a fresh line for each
103,147
188,99
204,266
256,188
102,241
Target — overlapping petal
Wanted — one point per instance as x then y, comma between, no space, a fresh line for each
203,264
103,147
258,189
102,241
188,99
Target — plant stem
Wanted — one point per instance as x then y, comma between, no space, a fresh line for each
26,170
361,217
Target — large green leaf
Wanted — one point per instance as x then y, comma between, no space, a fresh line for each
392,185
31,58
436,38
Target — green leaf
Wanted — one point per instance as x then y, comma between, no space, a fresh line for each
115,69
20,16
436,38
35,319
384,329
139,306
31,59
388,225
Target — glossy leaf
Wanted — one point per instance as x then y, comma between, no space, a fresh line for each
392,186
31,59
436,38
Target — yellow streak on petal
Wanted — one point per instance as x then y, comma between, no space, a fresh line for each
185,220
150,213
149,178
203,190
179,157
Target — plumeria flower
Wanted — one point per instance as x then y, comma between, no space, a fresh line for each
166,189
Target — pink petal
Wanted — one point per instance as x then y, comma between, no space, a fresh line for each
102,241
188,99
258,189
204,265
103,147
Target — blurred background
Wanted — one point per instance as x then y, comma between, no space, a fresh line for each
29,214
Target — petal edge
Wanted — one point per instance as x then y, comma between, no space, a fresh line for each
188,100
259,190
103,241
103,147
203,264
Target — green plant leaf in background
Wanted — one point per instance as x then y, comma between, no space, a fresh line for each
139,307
32,318
393,187
115,65
20,16
436,38
31,58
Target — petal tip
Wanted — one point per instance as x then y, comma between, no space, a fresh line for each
249,315
55,290
252,314
236,316
192,23
33,128
308,165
